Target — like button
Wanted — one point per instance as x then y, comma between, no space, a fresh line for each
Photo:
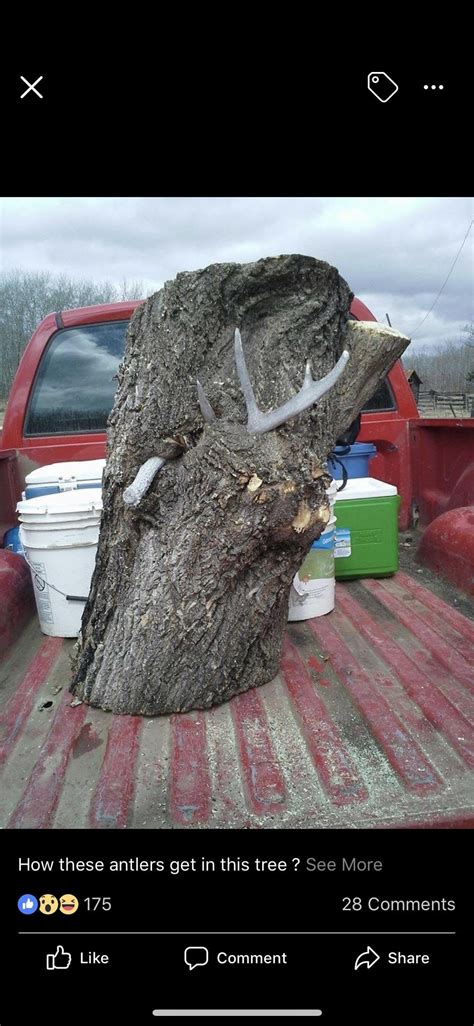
60,960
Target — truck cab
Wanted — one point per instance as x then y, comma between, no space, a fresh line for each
65,385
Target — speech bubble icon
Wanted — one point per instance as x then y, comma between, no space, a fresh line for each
196,956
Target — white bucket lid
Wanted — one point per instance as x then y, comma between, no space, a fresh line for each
78,470
84,500
365,488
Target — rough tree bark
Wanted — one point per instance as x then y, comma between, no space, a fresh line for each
189,597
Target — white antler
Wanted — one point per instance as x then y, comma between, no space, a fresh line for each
142,481
308,394
148,470
257,423
206,408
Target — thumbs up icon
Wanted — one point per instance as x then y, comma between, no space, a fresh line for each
27,904
60,960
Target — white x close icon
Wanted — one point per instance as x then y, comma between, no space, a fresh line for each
31,87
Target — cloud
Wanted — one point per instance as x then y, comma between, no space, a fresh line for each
395,252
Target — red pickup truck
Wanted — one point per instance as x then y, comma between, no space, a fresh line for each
370,720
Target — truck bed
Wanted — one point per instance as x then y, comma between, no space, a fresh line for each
369,723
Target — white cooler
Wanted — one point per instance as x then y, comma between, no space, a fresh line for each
64,477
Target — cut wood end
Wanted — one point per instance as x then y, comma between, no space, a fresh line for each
302,518
254,483
374,327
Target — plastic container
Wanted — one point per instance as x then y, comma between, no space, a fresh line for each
61,477
356,461
11,540
366,542
59,533
313,589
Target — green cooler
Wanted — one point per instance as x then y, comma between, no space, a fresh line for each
366,542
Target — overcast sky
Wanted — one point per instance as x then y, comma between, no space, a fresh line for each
394,252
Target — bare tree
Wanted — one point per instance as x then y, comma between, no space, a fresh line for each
446,368
468,332
210,505
130,290
27,296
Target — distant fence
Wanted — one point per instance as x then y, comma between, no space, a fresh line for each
445,404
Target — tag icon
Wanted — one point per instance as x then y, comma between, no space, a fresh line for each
381,85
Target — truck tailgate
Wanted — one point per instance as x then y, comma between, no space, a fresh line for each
369,723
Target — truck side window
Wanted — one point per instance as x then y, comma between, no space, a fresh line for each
75,384
382,399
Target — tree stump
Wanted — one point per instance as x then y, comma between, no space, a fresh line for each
189,597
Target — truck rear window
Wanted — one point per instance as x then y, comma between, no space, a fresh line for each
75,384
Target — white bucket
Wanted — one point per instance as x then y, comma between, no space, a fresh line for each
59,533
331,493
313,589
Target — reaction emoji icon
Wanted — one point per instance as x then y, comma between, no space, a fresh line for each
27,904
48,904
68,904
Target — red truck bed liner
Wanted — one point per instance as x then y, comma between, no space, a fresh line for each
368,724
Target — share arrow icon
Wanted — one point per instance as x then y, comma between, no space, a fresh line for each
368,958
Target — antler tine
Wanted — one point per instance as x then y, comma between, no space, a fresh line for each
308,377
308,394
142,481
206,408
245,383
